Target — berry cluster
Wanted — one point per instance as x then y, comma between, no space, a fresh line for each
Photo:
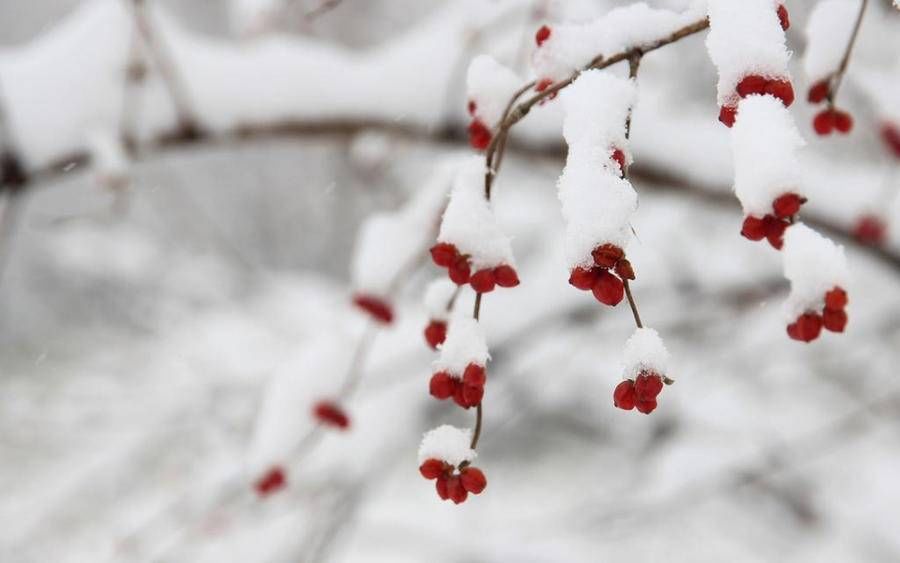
809,325
447,256
829,119
755,84
606,287
479,133
435,333
330,414
772,226
639,393
271,482
379,309
451,485
870,229
466,391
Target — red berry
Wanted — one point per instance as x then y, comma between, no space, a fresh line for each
836,299
474,375
843,121
583,279
835,321
331,414
775,231
619,157
646,406
806,328
472,107
432,468
482,281
444,254
472,394
783,17
506,276
753,228
377,308
624,269
647,386
479,135
781,89
543,33
435,333
543,84
459,271
727,115
441,385
607,255
609,289
273,480
441,486
870,229
787,205
455,490
890,134
472,480
818,92
459,396
624,396
752,84
824,122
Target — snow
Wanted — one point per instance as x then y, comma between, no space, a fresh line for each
765,142
597,105
465,344
814,265
469,221
437,299
828,31
108,158
745,38
645,351
490,85
447,443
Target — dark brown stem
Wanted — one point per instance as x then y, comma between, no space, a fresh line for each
477,434
631,301
838,76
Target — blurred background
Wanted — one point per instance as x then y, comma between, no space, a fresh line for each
175,295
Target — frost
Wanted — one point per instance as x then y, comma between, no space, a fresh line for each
814,265
437,298
447,443
828,32
764,141
645,351
490,85
465,344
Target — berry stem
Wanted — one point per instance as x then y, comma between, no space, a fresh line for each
633,304
842,69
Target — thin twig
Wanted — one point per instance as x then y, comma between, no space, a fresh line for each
842,69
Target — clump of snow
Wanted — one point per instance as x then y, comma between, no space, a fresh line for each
469,221
108,158
828,33
597,105
745,38
447,443
490,85
465,344
814,265
438,295
764,141
645,351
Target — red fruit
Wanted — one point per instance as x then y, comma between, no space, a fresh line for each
647,386
432,468
624,395
624,269
472,394
782,89
472,480
273,480
609,289
727,115
459,396
787,205
870,229
444,254
459,271
890,134
775,231
474,375
752,84
479,135
806,328
435,333
836,299
619,157
442,385
441,486
543,33
646,406
843,121
378,309
607,255
835,321
482,281
583,279
753,228
472,107
543,84
331,414
783,18
824,122
818,92
506,276
455,490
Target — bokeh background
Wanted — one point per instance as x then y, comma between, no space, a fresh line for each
162,339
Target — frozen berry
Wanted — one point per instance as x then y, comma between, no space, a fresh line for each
870,229
435,333
609,289
432,468
441,486
479,135
472,394
607,255
619,157
647,386
624,269
806,328
474,375
377,308
752,84
781,89
583,278
472,480
444,254
783,17
459,271
624,396
506,276
645,406
787,205
775,229
843,121
455,490
727,115
331,414
890,134
459,395
441,385
836,299
543,33
835,321
818,92
273,481
482,281
753,228
824,122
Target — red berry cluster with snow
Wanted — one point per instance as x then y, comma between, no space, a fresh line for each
767,179
645,364
439,297
470,243
459,372
597,201
817,270
445,456
490,85
746,43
